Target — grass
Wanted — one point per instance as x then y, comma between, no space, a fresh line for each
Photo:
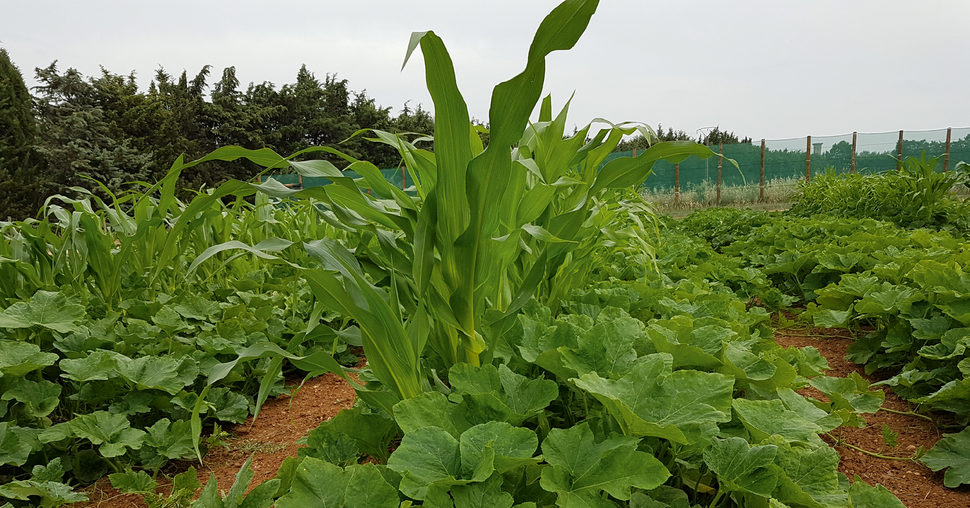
777,195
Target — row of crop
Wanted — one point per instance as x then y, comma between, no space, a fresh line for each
904,292
643,389
114,315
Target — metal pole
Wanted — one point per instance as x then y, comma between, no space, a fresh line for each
762,193
854,139
677,183
720,160
946,154
899,153
808,158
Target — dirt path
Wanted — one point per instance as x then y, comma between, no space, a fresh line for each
912,482
288,418
272,438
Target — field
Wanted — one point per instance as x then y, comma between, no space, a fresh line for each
525,331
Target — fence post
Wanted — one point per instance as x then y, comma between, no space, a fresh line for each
852,165
404,179
808,158
300,177
762,192
946,154
677,183
899,153
720,160
634,153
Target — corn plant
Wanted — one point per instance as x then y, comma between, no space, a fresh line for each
491,227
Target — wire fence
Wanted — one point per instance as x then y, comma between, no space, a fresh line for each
796,159
766,164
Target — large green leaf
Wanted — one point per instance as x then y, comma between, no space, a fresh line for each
38,397
13,449
19,358
45,309
580,469
320,483
953,454
427,455
742,468
98,365
112,432
863,495
651,400
153,372
764,418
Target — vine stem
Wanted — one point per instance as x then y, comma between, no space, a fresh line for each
907,413
820,335
867,452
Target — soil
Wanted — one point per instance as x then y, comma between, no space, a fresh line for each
284,420
913,483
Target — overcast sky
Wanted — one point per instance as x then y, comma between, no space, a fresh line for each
764,69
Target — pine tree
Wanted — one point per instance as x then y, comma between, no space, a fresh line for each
18,160
78,138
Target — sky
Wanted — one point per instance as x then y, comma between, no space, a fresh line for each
762,69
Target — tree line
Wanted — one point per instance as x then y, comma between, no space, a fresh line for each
75,131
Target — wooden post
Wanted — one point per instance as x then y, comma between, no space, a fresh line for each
808,158
259,179
300,177
634,153
404,179
854,139
899,153
946,154
677,183
761,196
720,159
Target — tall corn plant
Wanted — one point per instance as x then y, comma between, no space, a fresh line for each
491,228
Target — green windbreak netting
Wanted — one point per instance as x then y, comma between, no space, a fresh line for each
785,159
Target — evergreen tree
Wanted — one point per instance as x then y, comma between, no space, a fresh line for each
18,160
78,139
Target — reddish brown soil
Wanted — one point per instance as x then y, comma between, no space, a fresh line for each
912,482
288,418
272,437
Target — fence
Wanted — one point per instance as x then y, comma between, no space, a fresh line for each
768,160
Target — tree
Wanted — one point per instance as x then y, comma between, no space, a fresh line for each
78,139
638,142
18,130
717,136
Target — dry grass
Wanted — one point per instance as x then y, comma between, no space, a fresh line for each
777,195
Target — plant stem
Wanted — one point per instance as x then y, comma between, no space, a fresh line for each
867,452
907,413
